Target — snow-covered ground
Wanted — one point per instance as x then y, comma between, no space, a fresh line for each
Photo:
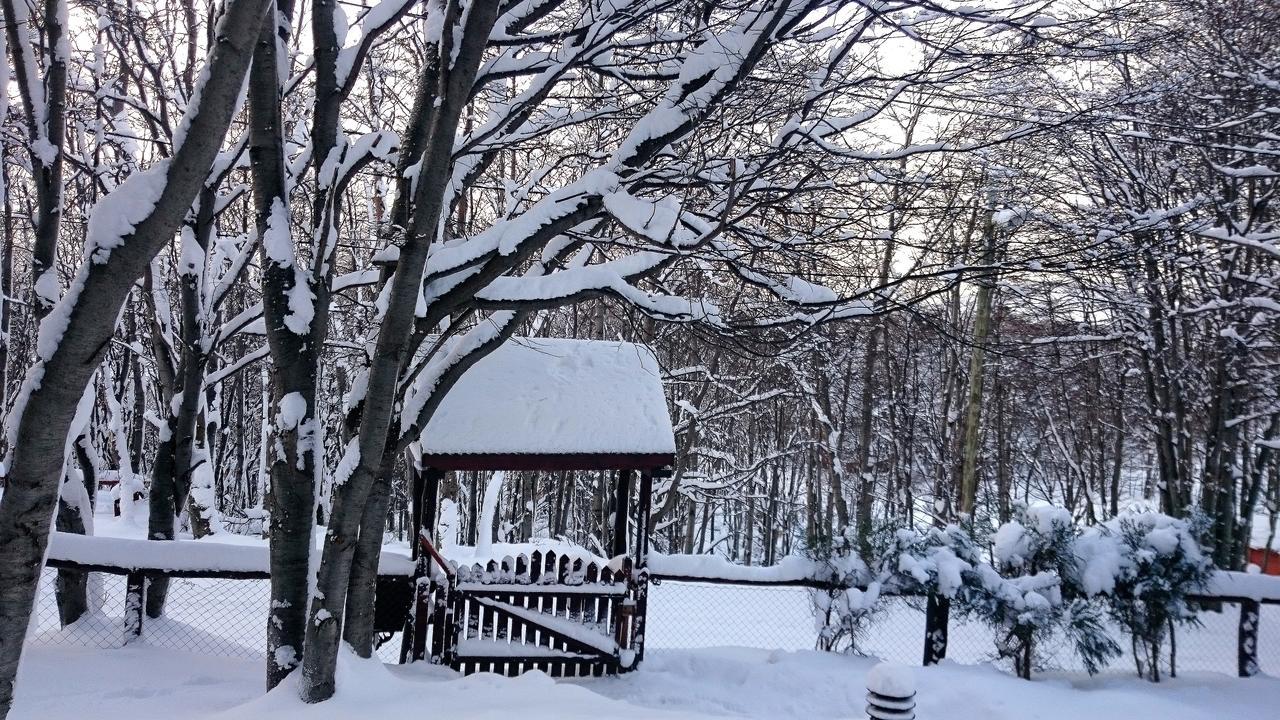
140,683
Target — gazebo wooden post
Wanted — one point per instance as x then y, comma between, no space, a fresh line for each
643,521
431,500
425,497
425,493
417,482
621,508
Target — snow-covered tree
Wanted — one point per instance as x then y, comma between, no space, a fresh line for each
1145,564
1030,598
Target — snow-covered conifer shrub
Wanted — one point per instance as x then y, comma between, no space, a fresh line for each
1144,565
922,562
1029,600
843,616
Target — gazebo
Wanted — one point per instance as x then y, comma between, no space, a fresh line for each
548,405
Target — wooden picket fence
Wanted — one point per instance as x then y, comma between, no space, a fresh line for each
554,613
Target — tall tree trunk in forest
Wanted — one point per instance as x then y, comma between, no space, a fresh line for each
114,263
6,286
70,588
1004,452
946,490
690,522
1117,460
357,627
1264,461
443,91
977,363
1163,395
294,343
137,422
871,354
171,474
688,439
44,111
75,515
771,529
1222,453
33,47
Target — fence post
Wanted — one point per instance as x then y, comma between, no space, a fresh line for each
134,603
641,570
937,615
1247,638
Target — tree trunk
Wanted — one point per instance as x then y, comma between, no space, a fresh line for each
294,355
170,478
442,93
71,587
357,629
101,286
973,403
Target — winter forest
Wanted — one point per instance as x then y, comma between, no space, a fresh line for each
937,299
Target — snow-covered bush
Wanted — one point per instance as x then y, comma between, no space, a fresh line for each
933,561
1028,599
129,496
842,616
1145,565
1040,538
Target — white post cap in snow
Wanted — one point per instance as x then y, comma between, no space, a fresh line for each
892,680
891,692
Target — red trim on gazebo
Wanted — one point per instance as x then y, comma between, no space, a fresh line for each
1268,560
549,462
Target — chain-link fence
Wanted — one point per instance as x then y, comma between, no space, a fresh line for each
211,616
222,616
685,615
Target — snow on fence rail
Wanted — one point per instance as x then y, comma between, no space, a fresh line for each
1231,586
792,570
178,558
803,572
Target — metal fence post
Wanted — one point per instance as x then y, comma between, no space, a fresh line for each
1247,638
134,603
937,614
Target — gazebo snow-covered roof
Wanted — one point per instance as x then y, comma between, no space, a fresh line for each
554,404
